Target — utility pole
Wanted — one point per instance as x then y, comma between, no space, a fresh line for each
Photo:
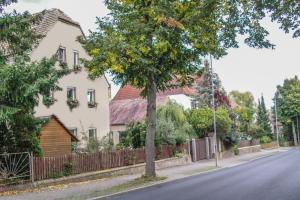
214,113
276,120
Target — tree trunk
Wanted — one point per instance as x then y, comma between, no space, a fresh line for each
151,120
294,132
298,134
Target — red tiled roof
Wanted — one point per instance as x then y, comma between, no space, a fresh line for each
129,92
124,111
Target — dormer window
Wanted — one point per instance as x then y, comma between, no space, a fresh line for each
61,54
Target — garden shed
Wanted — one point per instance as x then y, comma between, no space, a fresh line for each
55,138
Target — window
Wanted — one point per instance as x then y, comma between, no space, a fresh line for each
71,93
76,58
61,54
194,104
73,131
91,96
92,133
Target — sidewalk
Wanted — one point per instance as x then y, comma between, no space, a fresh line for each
88,189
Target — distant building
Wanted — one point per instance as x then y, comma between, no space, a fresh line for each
90,116
128,106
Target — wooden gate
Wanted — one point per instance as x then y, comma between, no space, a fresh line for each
200,149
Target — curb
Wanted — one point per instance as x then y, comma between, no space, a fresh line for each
181,178
154,184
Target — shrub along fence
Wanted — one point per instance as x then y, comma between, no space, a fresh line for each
53,167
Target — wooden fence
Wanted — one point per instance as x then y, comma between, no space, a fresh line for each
53,167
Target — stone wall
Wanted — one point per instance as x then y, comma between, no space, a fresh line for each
250,149
271,145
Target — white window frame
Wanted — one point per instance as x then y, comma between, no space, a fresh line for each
73,93
62,58
94,133
93,92
75,58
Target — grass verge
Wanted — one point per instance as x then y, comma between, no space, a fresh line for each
136,183
198,171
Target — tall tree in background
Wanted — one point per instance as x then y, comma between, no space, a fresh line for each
263,120
22,82
203,96
244,108
146,43
288,104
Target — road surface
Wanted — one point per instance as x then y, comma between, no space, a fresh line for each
272,178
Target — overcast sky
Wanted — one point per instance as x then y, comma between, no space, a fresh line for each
243,69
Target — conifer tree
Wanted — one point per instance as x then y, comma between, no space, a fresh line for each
203,96
263,120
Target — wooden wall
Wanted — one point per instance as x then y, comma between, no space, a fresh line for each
54,139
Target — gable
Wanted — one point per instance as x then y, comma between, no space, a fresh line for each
61,34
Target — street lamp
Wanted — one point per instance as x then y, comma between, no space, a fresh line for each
214,112
277,95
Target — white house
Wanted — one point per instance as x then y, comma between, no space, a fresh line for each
90,116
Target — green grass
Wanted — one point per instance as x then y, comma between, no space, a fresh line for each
197,171
136,183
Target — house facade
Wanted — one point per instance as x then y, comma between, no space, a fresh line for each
82,104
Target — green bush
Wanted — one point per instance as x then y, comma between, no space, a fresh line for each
134,136
172,127
282,140
265,139
229,140
68,169
235,150
202,121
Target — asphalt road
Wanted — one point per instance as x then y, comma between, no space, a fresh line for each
272,178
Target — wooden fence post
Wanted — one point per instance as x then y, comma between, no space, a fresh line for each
194,150
207,152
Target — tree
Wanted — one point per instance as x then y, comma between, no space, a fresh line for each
146,43
134,135
263,120
5,3
244,109
22,83
203,96
202,121
172,128
172,124
287,13
224,122
288,105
